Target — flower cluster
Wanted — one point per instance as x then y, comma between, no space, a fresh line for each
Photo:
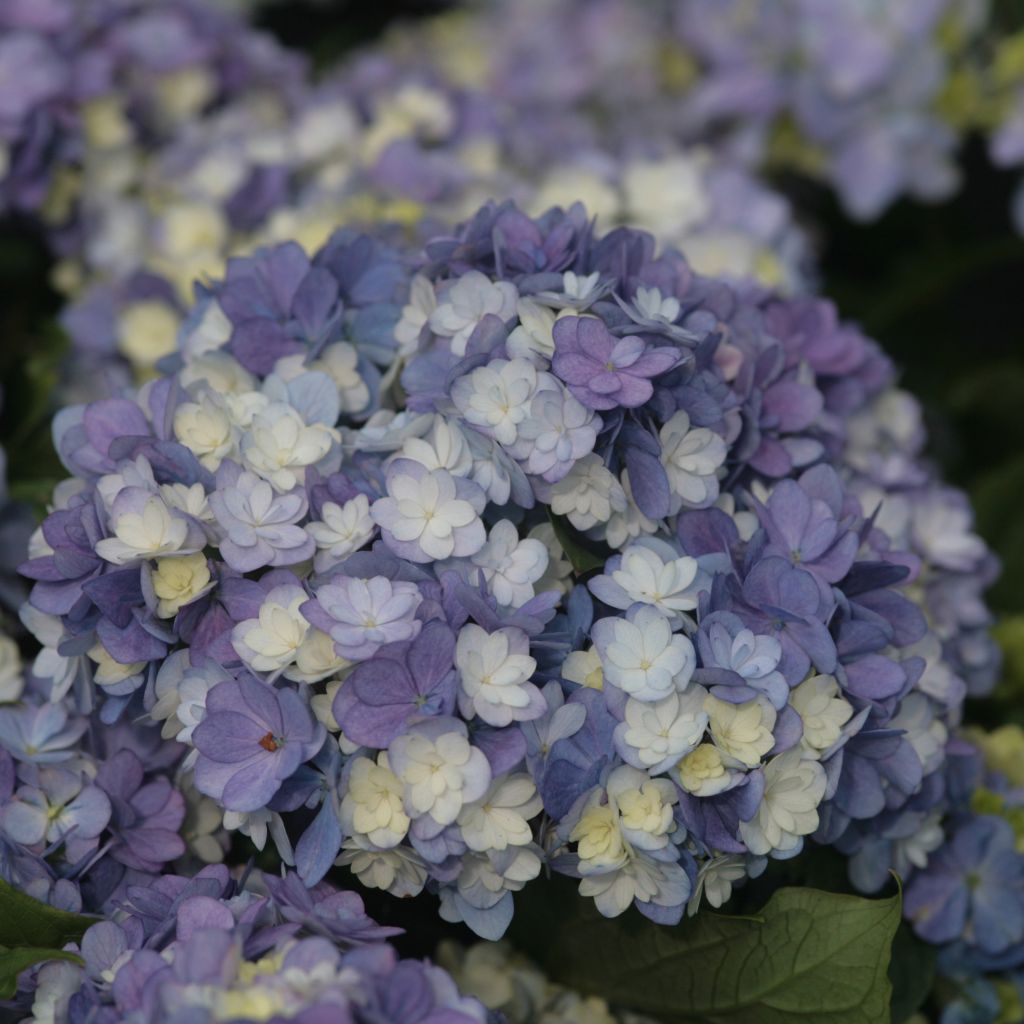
376,142
86,82
208,948
874,100
532,548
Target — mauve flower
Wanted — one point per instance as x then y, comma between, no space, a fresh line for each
605,372
259,524
146,816
402,682
362,615
252,739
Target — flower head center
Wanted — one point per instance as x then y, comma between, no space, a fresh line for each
271,742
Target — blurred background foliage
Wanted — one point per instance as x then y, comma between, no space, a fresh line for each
940,287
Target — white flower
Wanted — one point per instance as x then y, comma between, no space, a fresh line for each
341,530
242,406
650,304
372,805
691,457
11,680
440,770
926,836
823,711
629,523
191,500
494,670
510,566
644,805
923,730
560,430
588,494
601,846
202,346
942,532
205,428
641,655
793,789
501,817
279,445
150,533
656,735
716,878
668,195
640,877
271,642
472,297
415,314
257,825
444,447
585,668
147,330
575,183
399,871
340,362
177,581
703,772
743,731
316,659
532,338
49,663
496,398
425,515
109,672
579,288
651,572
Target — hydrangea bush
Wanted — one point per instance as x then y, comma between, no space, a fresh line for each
873,100
87,83
377,141
532,550
208,948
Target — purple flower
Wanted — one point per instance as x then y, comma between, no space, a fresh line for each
404,681
252,739
803,525
605,372
40,734
259,523
147,816
973,887
278,304
57,805
782,601
362,615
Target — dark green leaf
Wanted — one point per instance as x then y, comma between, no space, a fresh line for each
25,922
14,961
808,956
911,971
577,549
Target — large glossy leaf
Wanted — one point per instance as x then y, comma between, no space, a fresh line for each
912,971
807,956
14,961
25,922
31,932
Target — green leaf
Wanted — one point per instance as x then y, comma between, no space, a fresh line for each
808,956
576,547
14,961
27,923
911,971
